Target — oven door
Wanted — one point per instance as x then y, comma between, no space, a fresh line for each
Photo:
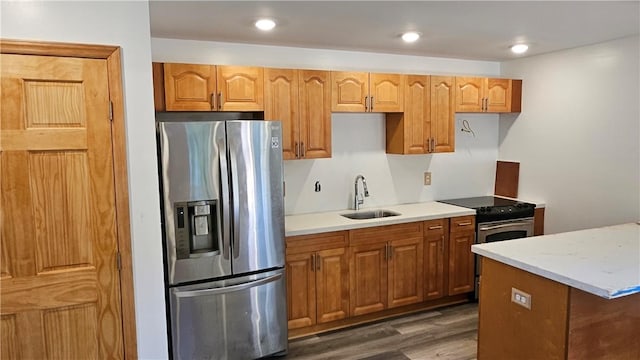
504,230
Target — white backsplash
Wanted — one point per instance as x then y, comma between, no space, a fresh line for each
359,148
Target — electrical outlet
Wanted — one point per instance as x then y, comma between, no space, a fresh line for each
521,298
427,178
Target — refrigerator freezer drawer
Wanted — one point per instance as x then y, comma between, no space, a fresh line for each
242,318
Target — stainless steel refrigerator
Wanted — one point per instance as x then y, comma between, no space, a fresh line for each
223,217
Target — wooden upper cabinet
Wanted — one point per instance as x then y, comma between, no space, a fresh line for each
442,114
315,114
240,88
190,87
282,103
301,100
488,95
365,92
410,132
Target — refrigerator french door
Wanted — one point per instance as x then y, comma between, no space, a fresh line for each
223,215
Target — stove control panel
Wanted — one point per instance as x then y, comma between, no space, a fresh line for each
493,213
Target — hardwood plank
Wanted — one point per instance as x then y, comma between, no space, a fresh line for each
507,174
538,221
46,139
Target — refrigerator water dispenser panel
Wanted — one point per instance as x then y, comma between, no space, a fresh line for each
196,230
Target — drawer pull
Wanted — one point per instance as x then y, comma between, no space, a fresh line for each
435,227
465,223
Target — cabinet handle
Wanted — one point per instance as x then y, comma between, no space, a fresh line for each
318,262
435,227
220,100
296,148
213,101
433,145
303,149
366,103
371,103
486,104
464,223
313,262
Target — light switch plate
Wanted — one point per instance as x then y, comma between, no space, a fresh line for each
521,298
427,178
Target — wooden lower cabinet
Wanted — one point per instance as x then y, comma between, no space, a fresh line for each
461,275
349,277
317,271
436,234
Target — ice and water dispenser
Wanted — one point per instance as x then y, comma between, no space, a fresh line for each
196,228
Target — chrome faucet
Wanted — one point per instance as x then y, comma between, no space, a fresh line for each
359,200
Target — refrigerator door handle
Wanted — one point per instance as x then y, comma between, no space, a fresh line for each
235,188
228,289
225,198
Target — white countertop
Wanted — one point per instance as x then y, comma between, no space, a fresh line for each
332,221
603,261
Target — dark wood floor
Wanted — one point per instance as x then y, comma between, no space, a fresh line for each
449,333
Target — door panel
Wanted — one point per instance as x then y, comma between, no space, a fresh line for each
189,87
60,287
442,113
498,95
387,92
417,114
240,88
349,91
332,284
315,113
469,94
281,103
405,272
461,263
368,274
301,290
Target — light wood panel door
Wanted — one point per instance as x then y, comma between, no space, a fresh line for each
386,92
462,235
59,280
240,88
315,114
189,87
442,113
474,94
301,290
405,266
435,240
470,94
350,91
281,103
368,274
410,132
332,285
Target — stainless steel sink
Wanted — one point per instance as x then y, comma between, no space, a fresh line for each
373,214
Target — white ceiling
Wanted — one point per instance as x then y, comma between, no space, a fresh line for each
478,30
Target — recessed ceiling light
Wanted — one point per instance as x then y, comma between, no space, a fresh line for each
519,48
410,36
265,24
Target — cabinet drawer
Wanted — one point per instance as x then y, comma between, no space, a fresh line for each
316,242
463,224
436,227
385,233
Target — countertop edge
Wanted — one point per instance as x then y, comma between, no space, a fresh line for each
603,293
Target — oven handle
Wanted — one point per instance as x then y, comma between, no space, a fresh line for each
502,226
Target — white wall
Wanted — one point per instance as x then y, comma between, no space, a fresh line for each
578,135
359,139
125,24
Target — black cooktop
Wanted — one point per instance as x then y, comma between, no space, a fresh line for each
491,208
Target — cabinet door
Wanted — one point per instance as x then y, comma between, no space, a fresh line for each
189,87
315,114
461,262
442,113
409,132
368,274
405,266
240,88
281,103
436,235
386,92
301,290
332,285
470,94
349,91
498,95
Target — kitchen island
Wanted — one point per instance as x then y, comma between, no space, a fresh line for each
573,295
